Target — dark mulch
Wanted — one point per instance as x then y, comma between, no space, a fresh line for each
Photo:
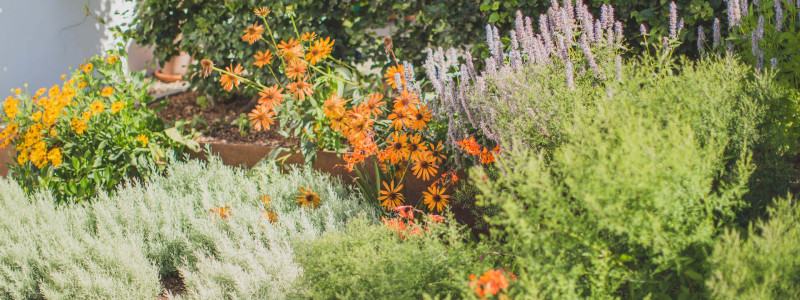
216,120
173,285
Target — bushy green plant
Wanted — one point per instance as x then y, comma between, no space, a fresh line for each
630,203
367,260
761,263
165,227
91,132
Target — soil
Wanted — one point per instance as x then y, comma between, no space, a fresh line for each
173,285
214,121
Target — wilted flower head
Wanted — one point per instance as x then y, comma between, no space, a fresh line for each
206,65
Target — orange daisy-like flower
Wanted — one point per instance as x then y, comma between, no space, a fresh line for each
270,215
435,198
337,123
290,50
229,81
391,196
390,76
106,92
400,119
88,67
271,97
419,117
262,12
97,107
319,50
262,58
308,36
253,33
437,152
308,199
334,106
396,147
406,100
373,105
261,118
416,147
117,106
206,65
296,69
300,89
425,167
221,212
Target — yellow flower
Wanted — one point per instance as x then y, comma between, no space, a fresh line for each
97,107
86,115
39,155
112,59
143,139
17,92
52,132
36,116
117,106
22,158
78,125
107,91
308,199
55,157
88,67
81,85
63,76
10,107
53,92
308,36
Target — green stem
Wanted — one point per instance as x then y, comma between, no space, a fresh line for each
240,78
334,77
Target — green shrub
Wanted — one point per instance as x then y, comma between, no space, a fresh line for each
630,203
90,132
367,260
761,263
163,227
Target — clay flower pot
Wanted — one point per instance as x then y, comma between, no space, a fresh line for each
176,67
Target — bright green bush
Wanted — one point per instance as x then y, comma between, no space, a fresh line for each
367,260
163,227
761,263
630,203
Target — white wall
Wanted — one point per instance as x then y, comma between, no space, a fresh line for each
41,39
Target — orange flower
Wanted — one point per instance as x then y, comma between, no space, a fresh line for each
486,157
253,33
142,139
425,167
261,118
334,106
435,198
106,92
390,76
373,105
300,89
78,125
319,50
406,99
470,146
308,36
262,12
97,107
87,68
308,199
437,152
391,196
400,119
296,69
396,147
228,81
337,123
270,215
221,212
117,106
490,283
416,147
396,225
419,117
271,97
266,199
291,50
262,58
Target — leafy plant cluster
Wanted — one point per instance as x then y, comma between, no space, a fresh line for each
167,227
93,131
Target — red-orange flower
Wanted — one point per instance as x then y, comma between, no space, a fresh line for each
490,283
229,81
486,157
253,33
222,211
470,146
271,97
263,58
296,69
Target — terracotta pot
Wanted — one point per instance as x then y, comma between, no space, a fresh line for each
176,67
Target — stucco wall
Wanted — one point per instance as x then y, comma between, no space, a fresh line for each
41,39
